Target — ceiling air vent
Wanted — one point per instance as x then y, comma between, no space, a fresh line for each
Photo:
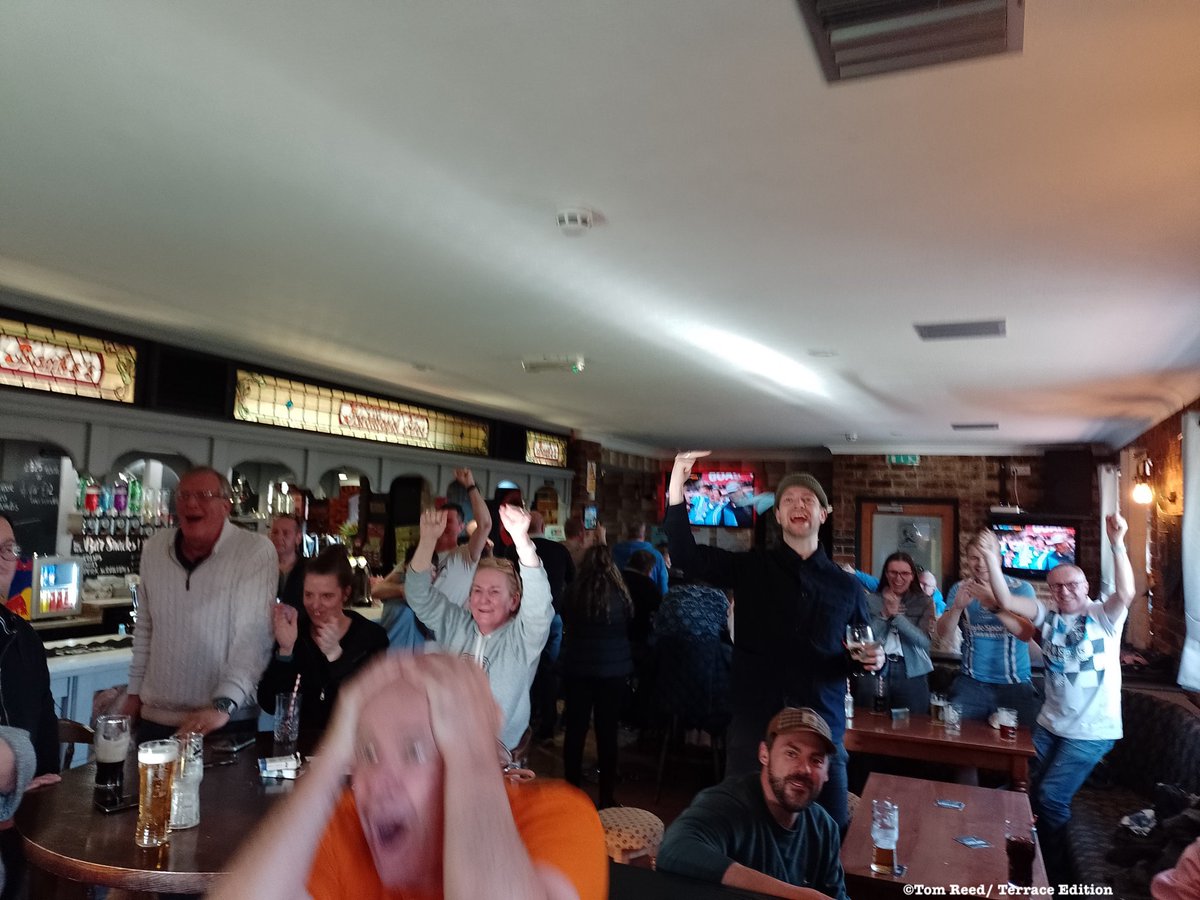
868,37
951,331
975,426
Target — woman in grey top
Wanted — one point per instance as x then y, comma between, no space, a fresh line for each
17,762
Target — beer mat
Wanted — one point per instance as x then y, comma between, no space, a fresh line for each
975,843
949,804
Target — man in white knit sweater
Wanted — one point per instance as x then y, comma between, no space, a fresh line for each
203,634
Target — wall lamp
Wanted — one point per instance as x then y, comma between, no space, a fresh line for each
1143,491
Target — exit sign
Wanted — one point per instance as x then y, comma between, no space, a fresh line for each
904,459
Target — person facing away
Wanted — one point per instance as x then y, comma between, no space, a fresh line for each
596,663
324,648
995,663
793,606
1080,719
203,633
636,540
509,618
428,811
762,831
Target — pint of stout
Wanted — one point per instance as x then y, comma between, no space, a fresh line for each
111,741
157,761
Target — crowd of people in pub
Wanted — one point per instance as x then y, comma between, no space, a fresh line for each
416,786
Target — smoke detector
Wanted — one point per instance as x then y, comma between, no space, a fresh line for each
572,364
575,220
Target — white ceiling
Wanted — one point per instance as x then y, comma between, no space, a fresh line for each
367,191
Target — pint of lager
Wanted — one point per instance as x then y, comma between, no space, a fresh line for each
111,741
157,761
885,834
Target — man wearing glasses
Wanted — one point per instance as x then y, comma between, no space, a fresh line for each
203,633
1081,716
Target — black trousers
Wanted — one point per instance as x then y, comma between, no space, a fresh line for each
603,695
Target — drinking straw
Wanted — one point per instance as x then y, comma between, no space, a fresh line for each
292,702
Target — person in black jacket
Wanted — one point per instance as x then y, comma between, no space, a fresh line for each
25,700
325,650
596,661
792,606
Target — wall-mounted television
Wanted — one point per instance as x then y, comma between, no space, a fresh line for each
720,498
1031,548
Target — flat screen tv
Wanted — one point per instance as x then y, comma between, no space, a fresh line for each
720,498
1032,549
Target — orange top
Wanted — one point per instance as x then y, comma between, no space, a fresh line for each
557,823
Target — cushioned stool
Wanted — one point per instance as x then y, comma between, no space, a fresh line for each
630,833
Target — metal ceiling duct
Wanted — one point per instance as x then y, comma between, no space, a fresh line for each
854,38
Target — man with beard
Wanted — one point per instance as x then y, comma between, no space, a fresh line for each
762,831
792,608
428,811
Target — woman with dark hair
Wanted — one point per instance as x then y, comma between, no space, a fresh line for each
902,619
324,651
596,660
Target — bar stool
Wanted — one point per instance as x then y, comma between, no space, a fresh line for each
630,833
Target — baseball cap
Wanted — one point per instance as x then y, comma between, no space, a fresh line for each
802,718
804,480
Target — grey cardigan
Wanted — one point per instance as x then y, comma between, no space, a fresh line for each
26,761
914,625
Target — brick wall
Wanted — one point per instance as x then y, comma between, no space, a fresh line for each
1164,450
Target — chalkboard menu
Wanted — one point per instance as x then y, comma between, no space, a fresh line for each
30,500
107,554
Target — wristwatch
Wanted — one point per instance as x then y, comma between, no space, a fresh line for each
225,705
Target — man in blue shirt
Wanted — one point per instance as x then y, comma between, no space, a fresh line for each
622,550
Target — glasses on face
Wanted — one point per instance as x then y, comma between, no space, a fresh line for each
10,551
199,496
1064,587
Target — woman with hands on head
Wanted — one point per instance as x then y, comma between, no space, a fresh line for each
325,647
428,812
508,619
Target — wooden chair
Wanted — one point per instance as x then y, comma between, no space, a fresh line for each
71,733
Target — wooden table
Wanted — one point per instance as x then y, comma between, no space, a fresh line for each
927,838
978,744
626,882
65,835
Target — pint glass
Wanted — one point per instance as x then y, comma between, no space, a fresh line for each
1007,719
937,709
189,772
1020,847
111,741
157,761
885,834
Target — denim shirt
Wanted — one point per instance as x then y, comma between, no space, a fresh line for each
914,626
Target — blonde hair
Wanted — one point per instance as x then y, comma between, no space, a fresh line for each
510,570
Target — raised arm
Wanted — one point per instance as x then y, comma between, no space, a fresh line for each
680,472
515,520
1020,606
1123,588
479,510
948,621
433,523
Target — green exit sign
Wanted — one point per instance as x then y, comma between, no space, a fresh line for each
904,459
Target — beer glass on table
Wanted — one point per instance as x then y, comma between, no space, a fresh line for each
1006,718
937,709
185,791
885,834
952,714
157,762
111,743
1020,846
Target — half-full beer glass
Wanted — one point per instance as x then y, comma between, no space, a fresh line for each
111,742
1006,718
885,834
157,761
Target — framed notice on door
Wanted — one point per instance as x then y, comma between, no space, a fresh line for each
926,529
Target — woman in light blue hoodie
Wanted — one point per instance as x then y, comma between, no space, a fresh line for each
508,619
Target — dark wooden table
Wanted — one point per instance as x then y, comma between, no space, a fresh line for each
65,835
927,838
978,744
635,883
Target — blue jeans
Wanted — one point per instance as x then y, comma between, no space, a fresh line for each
980,699
1060,769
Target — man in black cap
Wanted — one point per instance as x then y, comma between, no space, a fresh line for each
762,831
791,608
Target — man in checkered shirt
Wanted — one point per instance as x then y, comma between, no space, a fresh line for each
1081,717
